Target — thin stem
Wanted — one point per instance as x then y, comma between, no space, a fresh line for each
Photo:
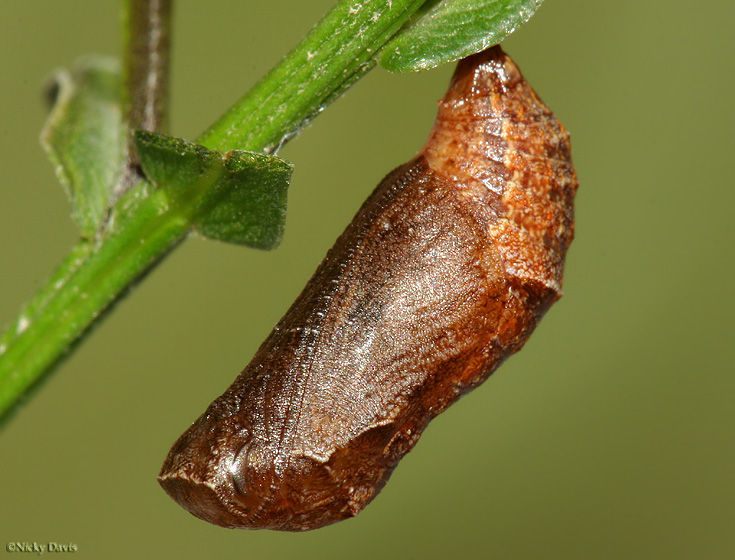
144,225
147,56
146,49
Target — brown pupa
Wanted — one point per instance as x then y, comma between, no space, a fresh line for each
442,274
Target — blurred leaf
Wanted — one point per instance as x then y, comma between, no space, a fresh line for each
238,197
447,30
84,136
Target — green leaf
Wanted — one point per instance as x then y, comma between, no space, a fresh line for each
250,202
447,30
84,136
238,196
176,165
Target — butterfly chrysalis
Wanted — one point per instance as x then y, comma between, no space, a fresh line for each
442,274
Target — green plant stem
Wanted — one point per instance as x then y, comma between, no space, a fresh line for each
336,53
146,225
83,286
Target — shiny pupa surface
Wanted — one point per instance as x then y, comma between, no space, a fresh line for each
443,273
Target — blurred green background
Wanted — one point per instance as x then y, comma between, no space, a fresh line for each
609,436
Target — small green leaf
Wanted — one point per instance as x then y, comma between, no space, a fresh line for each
238,196
181,168
84,136
249,203
447,30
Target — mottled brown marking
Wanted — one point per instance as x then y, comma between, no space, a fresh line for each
442,274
